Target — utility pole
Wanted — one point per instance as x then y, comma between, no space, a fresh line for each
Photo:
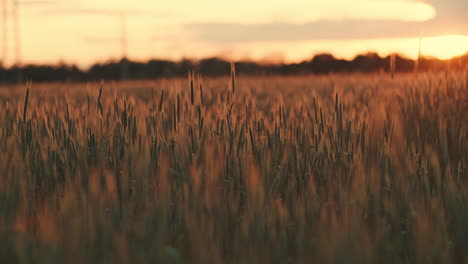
123,34
418,60
11,8
4,33
124,44
17,30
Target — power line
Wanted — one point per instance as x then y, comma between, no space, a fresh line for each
122,16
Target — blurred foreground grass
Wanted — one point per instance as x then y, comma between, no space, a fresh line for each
335,169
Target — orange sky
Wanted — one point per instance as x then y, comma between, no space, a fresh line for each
86,31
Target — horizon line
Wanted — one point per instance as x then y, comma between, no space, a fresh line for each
266,61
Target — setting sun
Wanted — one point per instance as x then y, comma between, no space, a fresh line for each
445,47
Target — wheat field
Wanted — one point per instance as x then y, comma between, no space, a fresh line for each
313,169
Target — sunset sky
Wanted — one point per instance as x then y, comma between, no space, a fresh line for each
87,31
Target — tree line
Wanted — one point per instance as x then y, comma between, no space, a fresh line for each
213,67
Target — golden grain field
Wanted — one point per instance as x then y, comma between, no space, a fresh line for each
313,169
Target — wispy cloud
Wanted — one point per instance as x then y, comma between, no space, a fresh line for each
450,19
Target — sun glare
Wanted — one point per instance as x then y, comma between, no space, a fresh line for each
445,47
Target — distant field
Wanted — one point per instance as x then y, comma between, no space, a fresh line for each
331,169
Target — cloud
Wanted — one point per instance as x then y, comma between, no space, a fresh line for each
265,11
450,19
295,11
456,9
320,30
